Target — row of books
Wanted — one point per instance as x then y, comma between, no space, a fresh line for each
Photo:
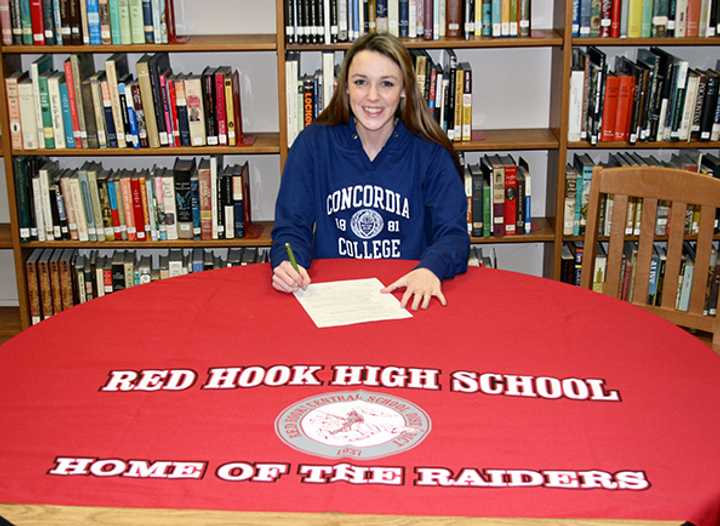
58,279
498,192
446,87
204,201
578,178
645,18
329,21
90,22
81,108
571,265
658,97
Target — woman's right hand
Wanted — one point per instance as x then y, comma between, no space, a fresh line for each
286,279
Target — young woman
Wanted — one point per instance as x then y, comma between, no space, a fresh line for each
374,178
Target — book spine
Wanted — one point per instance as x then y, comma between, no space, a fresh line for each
195,205
165,105
220,106
89,114
66,116
75,123
238,206
148,21
160,206
84,26
93,16
112,83
28,122
133,136
145,206
237,108
124,114
139,114
56,112
115,31
37,22
26,22
125,32
230,111
146,95
45,111
155,6
137,208
127,206
105,23
182,113
22,199
110,132
137,22
208,88
172,100
49,22
13,98
114,212
15,22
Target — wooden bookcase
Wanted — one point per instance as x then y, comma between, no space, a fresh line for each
553,139
265,143
570,147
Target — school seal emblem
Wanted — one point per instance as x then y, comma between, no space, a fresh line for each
353,424
366,223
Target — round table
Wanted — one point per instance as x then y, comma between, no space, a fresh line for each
523,398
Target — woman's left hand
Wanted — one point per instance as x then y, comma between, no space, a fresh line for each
420,285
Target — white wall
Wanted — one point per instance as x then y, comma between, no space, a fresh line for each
511,89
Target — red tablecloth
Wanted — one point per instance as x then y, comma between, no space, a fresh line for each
650,454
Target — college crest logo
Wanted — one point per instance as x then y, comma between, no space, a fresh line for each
353,424
366,223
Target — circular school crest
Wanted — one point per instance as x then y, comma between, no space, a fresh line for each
366,223
353,424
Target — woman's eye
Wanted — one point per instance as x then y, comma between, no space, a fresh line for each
359,82
388,84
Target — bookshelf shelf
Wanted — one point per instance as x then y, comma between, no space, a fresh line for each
194,43
538,38
543,231
685,41
257,235
266,142
510,139
651,145
5,238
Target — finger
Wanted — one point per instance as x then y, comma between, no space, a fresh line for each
405,298
283,278
426,300
279,284
394,285
304,277
442,299
416,300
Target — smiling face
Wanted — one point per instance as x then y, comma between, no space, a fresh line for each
374,89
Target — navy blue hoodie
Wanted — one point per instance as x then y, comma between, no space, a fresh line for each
408,203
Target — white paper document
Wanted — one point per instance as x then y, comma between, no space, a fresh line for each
335,303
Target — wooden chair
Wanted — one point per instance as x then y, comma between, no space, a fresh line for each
678,188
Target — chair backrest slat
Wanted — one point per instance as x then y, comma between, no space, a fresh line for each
615,250
673,254
645,250
702,259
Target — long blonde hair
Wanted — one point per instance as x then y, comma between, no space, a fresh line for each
412,109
